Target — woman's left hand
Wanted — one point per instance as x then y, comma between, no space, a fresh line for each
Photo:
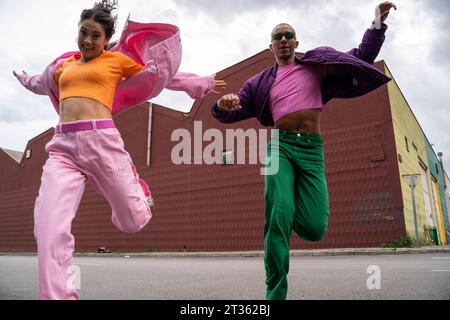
219,86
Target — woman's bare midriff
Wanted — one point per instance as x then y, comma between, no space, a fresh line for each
303,121
78,108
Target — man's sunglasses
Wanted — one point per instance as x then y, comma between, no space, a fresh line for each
279,36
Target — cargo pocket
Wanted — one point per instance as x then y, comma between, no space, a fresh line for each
111,155
141,214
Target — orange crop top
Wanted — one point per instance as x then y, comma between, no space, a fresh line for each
96,79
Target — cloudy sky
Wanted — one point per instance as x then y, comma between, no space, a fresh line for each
218,34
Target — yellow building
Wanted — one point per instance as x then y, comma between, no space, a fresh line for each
415,157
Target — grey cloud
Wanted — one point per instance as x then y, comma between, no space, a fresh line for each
13,112
442,6
441,52
317,15
441,9
224,11
222,8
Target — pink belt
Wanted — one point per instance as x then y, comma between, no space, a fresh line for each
84,125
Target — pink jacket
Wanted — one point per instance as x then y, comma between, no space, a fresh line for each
156,46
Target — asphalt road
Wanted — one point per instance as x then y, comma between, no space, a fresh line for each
401,277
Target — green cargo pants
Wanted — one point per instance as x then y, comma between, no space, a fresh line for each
296,198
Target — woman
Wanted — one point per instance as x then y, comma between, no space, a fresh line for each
87,88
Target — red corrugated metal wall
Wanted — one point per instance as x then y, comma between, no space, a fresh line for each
220,208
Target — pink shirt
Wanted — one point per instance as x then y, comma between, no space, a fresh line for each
297,87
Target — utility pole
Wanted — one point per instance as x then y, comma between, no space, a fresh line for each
411,179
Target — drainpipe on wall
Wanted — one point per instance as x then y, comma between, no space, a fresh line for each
412,179
149,133
440,154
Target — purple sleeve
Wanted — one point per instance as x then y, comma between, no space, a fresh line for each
370,45
247,103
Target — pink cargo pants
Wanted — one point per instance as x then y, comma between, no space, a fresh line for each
81,152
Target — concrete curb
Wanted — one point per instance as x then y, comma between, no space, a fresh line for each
251,254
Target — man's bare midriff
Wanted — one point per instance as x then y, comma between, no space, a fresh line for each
303,121
75,109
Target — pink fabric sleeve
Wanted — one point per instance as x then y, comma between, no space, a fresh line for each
195,86
33,83
44,84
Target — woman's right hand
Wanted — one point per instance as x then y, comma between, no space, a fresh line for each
17,75
229,102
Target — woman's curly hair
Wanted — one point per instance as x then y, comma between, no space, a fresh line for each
102,13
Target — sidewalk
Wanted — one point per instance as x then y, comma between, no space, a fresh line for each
247,254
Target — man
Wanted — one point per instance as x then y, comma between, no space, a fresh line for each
290,96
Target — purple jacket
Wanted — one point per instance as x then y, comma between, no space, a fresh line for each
356,76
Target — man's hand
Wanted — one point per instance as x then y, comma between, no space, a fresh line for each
382,12
229,102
